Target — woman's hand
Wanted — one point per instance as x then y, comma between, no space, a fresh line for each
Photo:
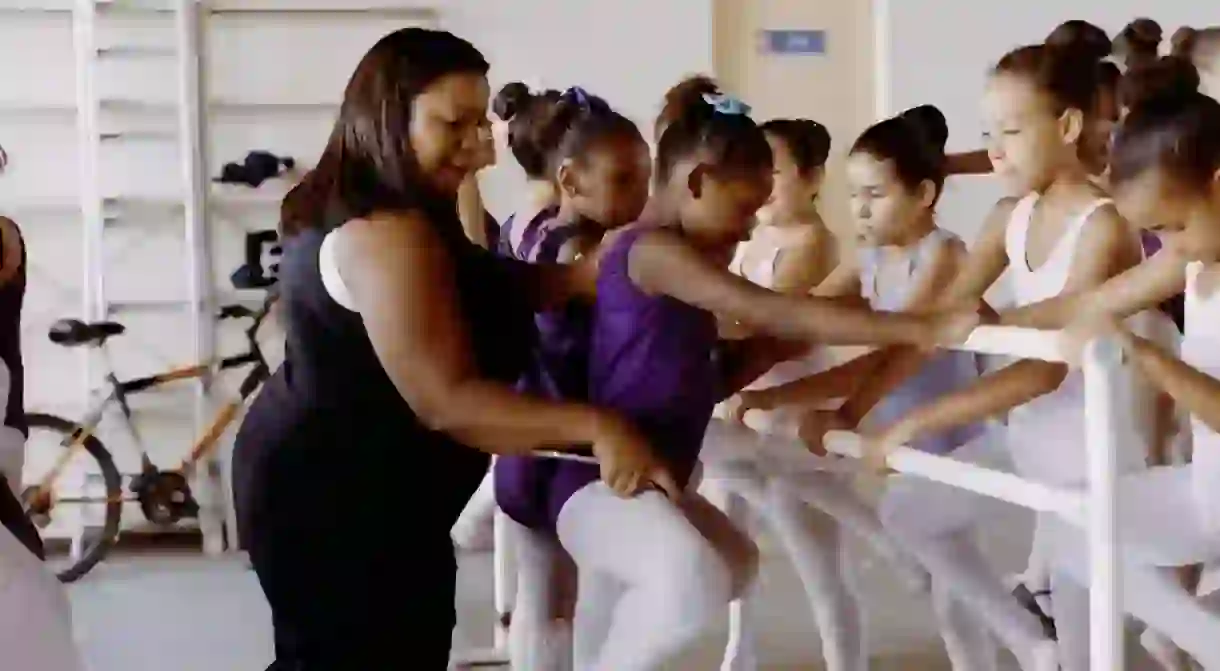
814,426
628,463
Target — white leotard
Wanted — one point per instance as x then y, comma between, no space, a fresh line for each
1046,435
1201,349
762,273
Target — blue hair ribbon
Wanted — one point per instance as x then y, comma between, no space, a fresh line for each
726,104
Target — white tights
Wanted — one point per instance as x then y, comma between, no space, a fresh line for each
936,523
540,635
35,617
746,475
1161,526
476,519
678,566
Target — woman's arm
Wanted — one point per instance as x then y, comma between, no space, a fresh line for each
663,263
400,276
10,250
1197,391
1141,287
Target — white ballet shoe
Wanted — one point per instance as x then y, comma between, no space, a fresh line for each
1163,651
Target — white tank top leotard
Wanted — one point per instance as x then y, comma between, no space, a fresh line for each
887,284
1201,349
782,421
762,273
1046,435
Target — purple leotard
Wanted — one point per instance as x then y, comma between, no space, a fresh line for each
652,360
558,367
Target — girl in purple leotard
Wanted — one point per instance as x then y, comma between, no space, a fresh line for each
655,357
601,166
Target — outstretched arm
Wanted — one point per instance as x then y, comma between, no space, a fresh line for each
1138,288
993,395
400,274
902,362
663,263
1197,391
975,162
965,279
1102,242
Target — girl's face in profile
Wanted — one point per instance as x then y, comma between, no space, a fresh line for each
1185,219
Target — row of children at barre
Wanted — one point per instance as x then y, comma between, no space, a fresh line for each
1111,229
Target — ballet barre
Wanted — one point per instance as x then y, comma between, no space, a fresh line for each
948,471
1093,508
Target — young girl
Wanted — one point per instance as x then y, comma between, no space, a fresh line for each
791,251
527,114
602,168
661,284
1086,41
1061,238
1168,515
896,170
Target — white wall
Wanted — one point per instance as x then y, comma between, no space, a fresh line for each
939,51
629,51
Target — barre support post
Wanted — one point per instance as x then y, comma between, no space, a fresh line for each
1104,438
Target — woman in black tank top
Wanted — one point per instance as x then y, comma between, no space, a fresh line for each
12,295
403,341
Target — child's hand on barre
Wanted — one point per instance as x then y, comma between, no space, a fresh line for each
953,326
744,401
876,446
814,426
628,463
1089,327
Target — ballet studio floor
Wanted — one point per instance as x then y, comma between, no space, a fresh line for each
134,613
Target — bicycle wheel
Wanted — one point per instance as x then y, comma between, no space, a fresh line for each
100,484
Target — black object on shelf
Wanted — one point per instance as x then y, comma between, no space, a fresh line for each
258,167
253,274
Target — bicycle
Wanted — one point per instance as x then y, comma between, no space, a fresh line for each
164,495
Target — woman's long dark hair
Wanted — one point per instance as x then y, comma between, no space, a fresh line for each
368,163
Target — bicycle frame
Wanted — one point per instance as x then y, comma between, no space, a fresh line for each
118,391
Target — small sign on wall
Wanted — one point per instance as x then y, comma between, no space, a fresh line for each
794,42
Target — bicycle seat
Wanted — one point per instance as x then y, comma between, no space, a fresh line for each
73,332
